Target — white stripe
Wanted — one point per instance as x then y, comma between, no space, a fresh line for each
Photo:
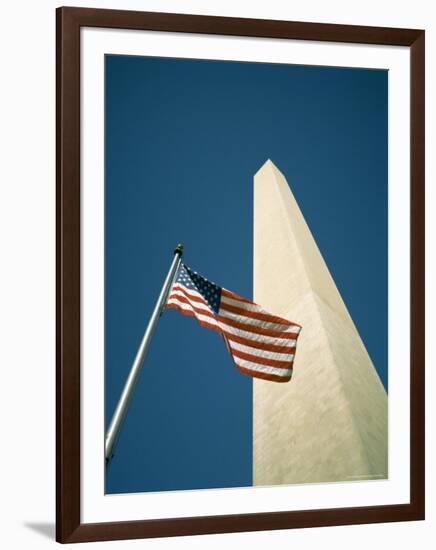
257,337
254,307
249,306
240,317
245,305
284,373
187,307
242,333
261,353
176,293
191,292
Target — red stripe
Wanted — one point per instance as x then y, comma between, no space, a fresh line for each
255,329
228,294
259,345
188,301
264,375
190,296
262,360
256,315
230,336
204,324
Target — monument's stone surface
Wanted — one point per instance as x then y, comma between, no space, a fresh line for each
329,423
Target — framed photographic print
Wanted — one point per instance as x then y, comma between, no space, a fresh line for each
240,271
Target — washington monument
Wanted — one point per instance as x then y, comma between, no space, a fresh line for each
330,422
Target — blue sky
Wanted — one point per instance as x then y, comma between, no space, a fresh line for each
183,141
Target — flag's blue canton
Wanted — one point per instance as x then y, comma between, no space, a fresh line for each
191,280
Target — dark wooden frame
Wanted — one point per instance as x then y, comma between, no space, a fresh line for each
69,22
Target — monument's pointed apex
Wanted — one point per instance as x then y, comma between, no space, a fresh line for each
267,165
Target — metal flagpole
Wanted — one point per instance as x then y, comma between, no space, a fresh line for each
126,396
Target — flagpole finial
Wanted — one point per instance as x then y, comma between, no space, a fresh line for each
179,249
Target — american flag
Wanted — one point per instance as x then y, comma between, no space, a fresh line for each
261,345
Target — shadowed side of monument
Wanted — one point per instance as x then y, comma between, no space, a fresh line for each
329,423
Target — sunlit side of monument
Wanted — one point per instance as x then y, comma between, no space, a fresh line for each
329,423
